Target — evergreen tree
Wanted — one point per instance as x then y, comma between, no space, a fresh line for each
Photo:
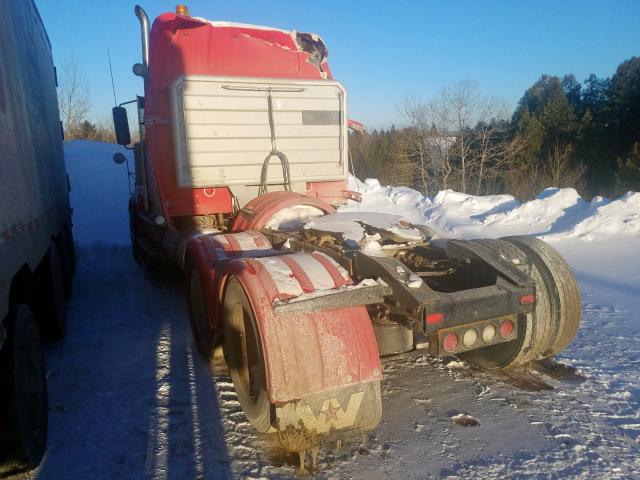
87,130
627,177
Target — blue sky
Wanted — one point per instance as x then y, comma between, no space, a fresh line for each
381,51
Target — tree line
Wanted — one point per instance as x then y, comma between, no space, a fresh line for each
563,133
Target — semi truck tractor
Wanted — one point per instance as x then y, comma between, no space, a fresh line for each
36,244
243,137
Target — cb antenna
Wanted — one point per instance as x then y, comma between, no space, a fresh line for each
113,86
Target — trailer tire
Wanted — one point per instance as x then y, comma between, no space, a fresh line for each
244,356
25,407
199,314
50,301
561,287
522,349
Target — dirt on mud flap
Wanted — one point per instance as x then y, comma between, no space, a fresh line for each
330,417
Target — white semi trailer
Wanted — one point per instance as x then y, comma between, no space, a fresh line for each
37,257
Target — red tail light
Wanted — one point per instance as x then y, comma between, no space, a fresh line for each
527,299
434,318
506,329
450,342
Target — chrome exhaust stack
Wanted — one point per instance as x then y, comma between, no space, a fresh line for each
144,36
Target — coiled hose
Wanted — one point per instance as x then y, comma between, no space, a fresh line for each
284,161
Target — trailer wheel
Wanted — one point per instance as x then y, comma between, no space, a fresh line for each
23,386
243,354
50,301
553,276
199,315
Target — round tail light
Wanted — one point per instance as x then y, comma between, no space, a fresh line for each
450,342
506,329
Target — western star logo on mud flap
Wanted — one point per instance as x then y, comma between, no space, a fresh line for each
332,415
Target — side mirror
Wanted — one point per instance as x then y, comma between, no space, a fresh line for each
121,125
119,158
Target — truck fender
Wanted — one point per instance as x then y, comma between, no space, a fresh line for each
211,253
308,353
255,214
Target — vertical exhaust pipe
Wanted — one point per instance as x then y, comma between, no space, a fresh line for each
144,34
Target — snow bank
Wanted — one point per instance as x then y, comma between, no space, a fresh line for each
99,192
554,214
620,218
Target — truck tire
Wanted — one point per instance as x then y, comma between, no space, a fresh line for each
24,389
62,242
244,357
199,315
554,276
50,302
532,328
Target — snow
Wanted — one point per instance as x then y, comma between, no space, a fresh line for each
130,397
292,217
554,214
350,225
225,24
367,282
282,276
99,192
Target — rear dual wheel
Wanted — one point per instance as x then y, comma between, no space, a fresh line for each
244,356
554,276
556,317
23,397
50,295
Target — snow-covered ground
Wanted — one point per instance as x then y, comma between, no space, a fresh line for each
130,397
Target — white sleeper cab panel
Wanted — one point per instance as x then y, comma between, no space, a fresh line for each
222,130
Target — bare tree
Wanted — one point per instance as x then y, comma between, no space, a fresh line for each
526,179
416,140
457,139
464,104
561,172
491,148
73,97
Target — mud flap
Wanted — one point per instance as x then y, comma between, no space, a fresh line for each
322,367
336,414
